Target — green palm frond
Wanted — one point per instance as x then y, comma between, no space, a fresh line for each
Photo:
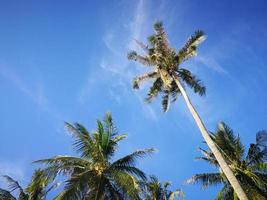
37,186
208,157
146,61
154,90
6,195
154,189
130,160
225,193
83,140
76,187
192,81
261,167
13,184
189,49
228,143
165,102
206,179
128,184
36,190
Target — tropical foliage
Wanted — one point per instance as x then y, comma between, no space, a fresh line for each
153,189
169,77
166,64
249,168
37,189
95,174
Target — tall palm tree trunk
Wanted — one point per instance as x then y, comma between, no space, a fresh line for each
223,165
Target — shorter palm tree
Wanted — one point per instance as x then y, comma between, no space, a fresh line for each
95,174
153,189
250,170
37,189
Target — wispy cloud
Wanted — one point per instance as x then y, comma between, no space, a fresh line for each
211,63
36,94
115,66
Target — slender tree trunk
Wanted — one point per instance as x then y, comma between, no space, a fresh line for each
223,165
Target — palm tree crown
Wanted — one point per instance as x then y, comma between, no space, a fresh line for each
166,64
37,189
153,189
95,175
250,170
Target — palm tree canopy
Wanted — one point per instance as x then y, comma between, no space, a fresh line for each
166,63
37,189
250,169
153,189
94,174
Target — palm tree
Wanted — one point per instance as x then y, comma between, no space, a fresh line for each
95,174
153,189
169,79
37,189
250,169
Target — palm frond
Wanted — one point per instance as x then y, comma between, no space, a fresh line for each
6,195
13,184
130,160
154,90
139,79
63,164
83,140
76,186
144,60
206,179
261,167
165,102
225,193
190,47
192,81
119,138
228,143
128,184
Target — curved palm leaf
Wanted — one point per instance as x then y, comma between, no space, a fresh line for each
250,170
6,195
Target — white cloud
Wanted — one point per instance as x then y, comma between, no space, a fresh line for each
116,69
210,62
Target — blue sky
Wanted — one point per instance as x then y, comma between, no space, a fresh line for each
66,61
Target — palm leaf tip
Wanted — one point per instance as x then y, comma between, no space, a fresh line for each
200,37
158,26
165,103
135,84
132,55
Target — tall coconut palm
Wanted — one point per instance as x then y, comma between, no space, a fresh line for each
37,189
250,169
169,79
95,174
153,189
